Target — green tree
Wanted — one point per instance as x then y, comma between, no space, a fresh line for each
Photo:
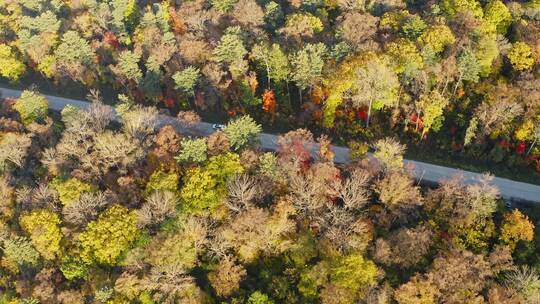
74,50
31,107
468,66
73,268
404,56
353,272
498,15
125,15
199,192
273,60
128,65
223,6
307,65
430,108
520,56
312,279
242,131
34,5
43,226
376,86
10,67
162,181
436,38
70,189
453,7
231,51
46,22
204,187
413,27
259,298
223,166
273,14
108,238
193,150
186,80
19,250
230,47
486,51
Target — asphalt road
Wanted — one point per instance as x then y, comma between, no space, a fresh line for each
423,172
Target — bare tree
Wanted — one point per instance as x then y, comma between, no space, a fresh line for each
526,282
243,190
98,115
40,197
354,191
172,285
86,208
158,206
139,122
13,149
344,230
390,153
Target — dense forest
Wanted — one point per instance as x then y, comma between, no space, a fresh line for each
454,76
95,209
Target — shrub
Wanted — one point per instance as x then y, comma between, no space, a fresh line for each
242,131
31,106
193,150
390,153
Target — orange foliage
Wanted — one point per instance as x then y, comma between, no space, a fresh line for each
460,93
269,101
317,95
253,82
110,39
179,27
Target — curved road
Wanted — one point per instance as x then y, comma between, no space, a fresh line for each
423,172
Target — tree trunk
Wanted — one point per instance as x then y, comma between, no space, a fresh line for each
267,71
457,84
532,146
369,113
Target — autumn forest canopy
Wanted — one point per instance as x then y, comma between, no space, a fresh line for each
98,208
